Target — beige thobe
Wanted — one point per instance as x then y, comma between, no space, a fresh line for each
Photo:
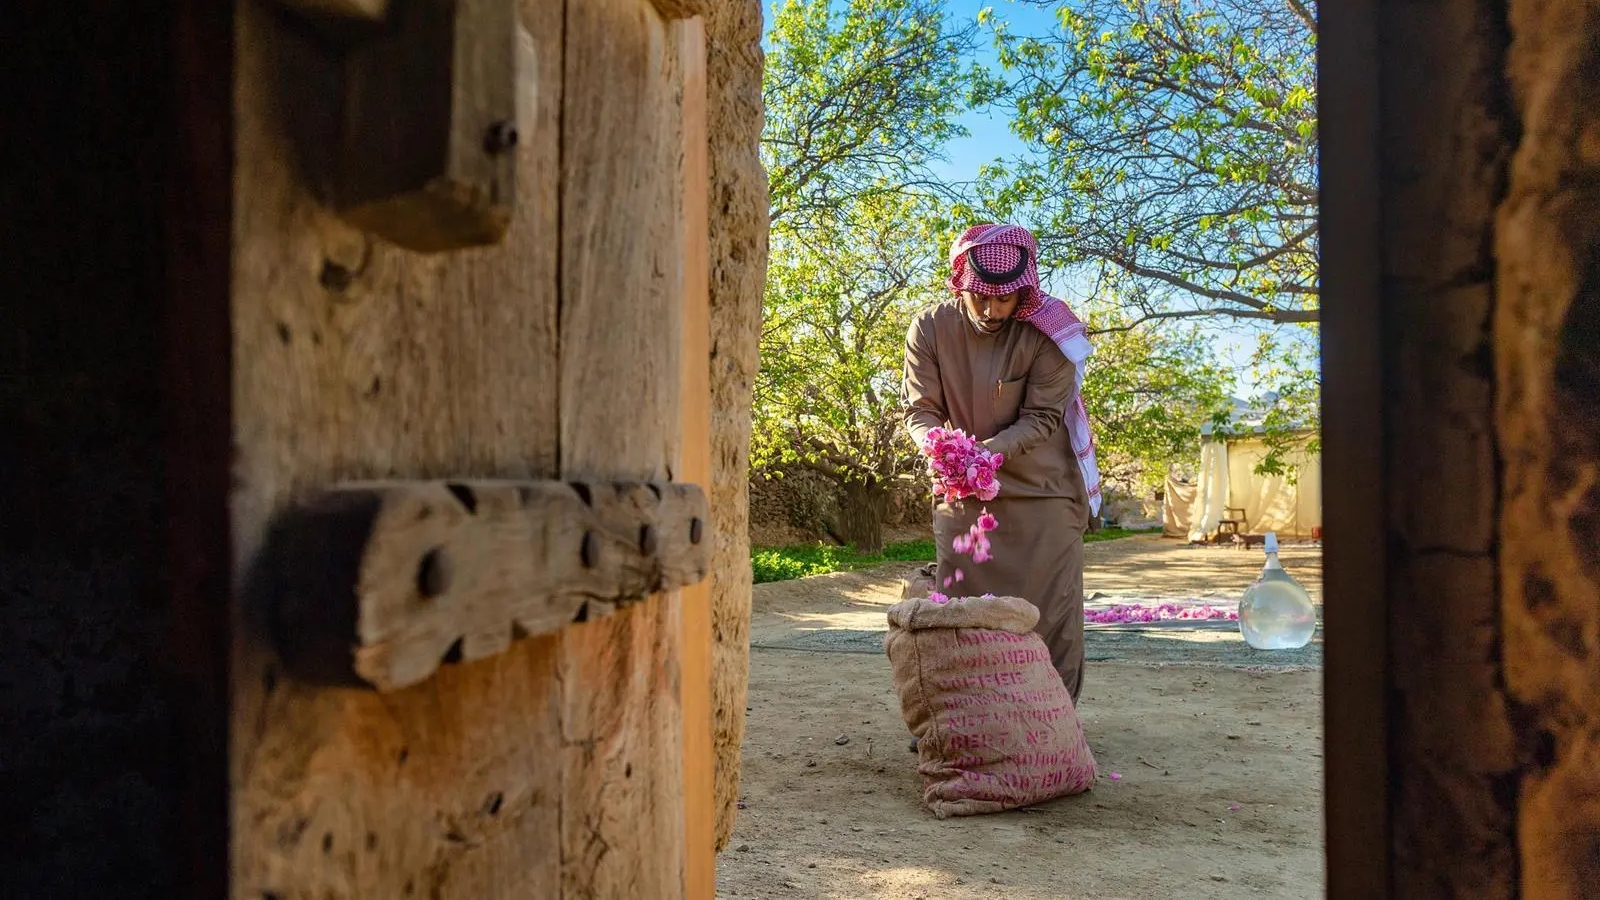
1009,390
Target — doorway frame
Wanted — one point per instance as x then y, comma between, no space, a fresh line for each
1356,664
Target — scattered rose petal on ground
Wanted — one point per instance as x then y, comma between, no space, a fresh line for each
1125,613
1116,776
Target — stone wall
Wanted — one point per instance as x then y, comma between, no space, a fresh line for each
803,506
738,207
1546,331
1447,133
1491,328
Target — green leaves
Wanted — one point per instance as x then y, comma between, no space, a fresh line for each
1192,122
860,97
1148,390
1171,164
840,296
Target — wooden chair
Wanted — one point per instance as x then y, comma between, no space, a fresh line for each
1233,522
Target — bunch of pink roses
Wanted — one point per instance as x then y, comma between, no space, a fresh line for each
961,467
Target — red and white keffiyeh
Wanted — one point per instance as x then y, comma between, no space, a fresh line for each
999,259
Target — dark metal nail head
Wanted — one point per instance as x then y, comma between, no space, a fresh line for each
502,137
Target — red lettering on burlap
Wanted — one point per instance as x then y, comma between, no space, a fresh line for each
1007,733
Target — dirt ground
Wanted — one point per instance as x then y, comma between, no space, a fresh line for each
1220,788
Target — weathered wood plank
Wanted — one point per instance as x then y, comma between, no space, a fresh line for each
356,360
682,9
622,829
375,584
199,434
1357,712
694,467
429,125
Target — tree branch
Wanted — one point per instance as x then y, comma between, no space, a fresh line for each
1281,317
1304,14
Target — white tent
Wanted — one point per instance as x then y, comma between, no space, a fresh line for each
1227,487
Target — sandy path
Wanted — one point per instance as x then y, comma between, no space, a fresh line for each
824,820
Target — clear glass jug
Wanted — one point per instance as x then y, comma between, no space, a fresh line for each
1276,613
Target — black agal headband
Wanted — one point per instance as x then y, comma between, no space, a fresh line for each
998,278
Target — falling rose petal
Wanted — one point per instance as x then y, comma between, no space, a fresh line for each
948,581
959,575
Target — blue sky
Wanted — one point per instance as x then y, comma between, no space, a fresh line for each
989,137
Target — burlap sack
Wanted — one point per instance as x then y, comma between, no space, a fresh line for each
920,584
996,728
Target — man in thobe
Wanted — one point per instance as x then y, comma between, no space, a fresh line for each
1001,361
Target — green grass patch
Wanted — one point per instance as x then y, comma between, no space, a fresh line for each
1112,534
801,560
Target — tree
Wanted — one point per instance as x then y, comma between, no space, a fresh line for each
1148,390
860,97
827,397
1172,148
1289,368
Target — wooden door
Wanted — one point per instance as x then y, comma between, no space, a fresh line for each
573,764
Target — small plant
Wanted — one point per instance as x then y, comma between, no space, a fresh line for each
802,560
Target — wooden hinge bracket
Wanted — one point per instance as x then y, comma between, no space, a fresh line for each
425,154
377,584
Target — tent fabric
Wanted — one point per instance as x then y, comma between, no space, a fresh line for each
1177,502
1273,502
1228,480
1212,494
